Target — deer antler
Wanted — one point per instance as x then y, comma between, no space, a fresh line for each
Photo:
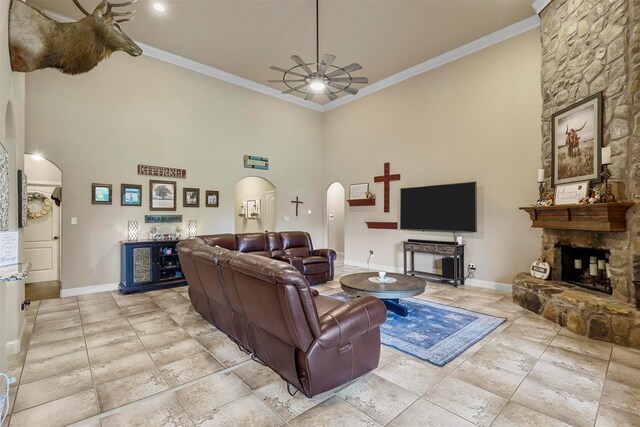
82,9
110,6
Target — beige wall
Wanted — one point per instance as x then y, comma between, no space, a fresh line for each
335,226
41,171
252,188
475,119
12,138
98,126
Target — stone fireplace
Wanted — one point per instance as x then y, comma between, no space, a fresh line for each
590,47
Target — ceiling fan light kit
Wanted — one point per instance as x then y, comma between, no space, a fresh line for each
327,80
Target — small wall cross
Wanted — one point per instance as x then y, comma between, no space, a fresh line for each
298,203
386,178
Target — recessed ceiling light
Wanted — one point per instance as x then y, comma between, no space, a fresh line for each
37,157
159,7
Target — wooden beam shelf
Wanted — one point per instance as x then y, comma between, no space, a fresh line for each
382,225
594,217
362,202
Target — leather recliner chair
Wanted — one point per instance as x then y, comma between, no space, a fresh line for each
314,342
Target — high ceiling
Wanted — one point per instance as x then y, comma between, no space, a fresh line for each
245,37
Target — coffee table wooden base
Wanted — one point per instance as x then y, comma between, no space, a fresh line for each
395,306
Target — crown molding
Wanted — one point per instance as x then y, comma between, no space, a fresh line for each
460,52
539,5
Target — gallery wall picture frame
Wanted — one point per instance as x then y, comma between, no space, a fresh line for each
576,142
130,195
212,199
162,195
101,194
191,197
571,194
358,191
22,199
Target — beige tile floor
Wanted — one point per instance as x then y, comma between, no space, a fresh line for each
149,360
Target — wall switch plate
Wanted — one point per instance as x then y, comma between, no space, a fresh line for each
74,220
286,219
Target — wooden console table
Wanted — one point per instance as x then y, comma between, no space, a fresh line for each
448,249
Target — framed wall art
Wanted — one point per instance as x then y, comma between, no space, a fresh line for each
571,194
191,197
101,194
576,140
130,195
162,195
358,191
213,199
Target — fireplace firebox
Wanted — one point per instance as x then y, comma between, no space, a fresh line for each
586,267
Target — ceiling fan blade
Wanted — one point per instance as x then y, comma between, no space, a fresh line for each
283,81
301,63
326,62
282,70
349,90
343,70
293,89
332,96
308,97
350,80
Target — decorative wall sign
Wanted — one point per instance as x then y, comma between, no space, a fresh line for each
212,199
4,189
22,199
386,178
130,195
8,248
358,191
162,195
191,197
162,171
101,194
576,135
571,194
255,162
252,208
157,219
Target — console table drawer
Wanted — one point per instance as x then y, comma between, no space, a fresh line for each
420,247
446,250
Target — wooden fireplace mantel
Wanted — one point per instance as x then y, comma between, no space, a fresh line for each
595,217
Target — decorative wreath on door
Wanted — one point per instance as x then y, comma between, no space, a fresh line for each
39,205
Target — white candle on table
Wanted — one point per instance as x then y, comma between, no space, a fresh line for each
606,155
540,175
577,264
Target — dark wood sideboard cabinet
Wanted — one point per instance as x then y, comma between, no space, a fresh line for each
149,264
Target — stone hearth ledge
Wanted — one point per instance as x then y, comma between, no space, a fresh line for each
582,312
14,272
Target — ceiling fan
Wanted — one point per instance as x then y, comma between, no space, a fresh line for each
320,78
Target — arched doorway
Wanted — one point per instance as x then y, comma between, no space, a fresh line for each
42,236
255,205
335,218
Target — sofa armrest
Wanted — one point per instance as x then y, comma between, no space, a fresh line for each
293,260
328,253
350,320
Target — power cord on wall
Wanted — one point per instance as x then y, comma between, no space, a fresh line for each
471,273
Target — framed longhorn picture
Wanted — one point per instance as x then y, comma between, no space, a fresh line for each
576,139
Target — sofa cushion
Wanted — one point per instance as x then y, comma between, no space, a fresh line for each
227,241
253,242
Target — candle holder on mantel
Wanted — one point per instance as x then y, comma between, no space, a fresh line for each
607,195
541,192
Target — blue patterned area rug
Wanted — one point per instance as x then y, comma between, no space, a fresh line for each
433,332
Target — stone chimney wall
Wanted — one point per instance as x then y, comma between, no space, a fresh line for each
591,46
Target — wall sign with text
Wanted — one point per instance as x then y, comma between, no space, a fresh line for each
162,171
255,162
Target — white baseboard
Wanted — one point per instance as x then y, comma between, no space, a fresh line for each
13,347
477,283
85,290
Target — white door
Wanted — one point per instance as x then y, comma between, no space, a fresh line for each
270,211
42,242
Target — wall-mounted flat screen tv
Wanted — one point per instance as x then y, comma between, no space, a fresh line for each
450,207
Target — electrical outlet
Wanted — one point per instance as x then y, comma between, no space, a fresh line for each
472,266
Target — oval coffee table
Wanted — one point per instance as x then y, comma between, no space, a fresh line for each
358,284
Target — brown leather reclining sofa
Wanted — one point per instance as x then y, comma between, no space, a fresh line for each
294,247
313,342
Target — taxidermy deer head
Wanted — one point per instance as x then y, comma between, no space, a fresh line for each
37,42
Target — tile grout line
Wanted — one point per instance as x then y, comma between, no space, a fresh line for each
595,420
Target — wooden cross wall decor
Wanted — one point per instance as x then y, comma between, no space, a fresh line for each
298,203
386,178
